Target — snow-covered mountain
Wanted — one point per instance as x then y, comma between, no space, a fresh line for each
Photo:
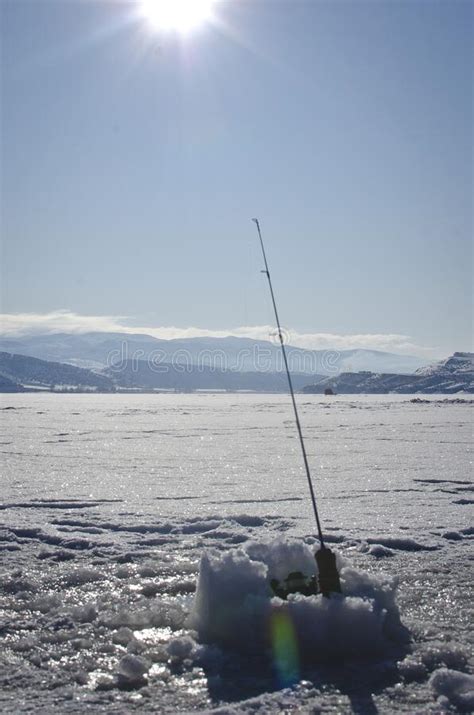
457,364
96,350
455,374
18,372
22,372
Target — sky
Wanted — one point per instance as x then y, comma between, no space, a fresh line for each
133,160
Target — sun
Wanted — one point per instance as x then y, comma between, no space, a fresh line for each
180,16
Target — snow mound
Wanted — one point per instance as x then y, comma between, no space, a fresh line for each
380,551
456,687
234,606
401,543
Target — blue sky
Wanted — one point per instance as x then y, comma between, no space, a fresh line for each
133,161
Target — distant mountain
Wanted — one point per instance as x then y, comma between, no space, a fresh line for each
140,374
20,371
83,350
457,364
96,350
455,374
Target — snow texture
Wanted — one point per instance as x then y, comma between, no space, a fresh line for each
138,536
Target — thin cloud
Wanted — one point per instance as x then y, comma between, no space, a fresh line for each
58,321
65,321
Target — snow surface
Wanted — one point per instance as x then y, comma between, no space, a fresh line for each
114,508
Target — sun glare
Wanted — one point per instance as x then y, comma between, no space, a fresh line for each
177,15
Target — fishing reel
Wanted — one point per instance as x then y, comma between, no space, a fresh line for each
296,582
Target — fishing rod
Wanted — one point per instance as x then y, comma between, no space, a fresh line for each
328,575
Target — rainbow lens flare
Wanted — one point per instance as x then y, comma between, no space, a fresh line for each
285,648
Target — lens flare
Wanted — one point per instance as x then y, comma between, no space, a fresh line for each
180,16
285,648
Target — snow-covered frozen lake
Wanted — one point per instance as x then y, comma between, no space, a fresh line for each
109,502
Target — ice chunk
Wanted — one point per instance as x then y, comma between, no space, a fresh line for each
83,575
46,603
412,670
457,687
133,667
161,615
444,654
122,636
84,614
232,593
132,671
180,648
